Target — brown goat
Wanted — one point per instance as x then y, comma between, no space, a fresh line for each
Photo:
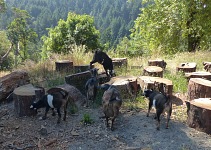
112,102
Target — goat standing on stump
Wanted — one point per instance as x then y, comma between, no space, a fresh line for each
56,99
91,87
112,102
103,59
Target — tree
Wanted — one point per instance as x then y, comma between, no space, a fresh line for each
20,34
2,6
77,29
172,26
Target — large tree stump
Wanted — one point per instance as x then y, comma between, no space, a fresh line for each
207,66
201,74
127,85
9,82
198,88
119,62
199,114
157,62
161,84
23,97
103,78
81,68
153,71
187,67
78,80
64,66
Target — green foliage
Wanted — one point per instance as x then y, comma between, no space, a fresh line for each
77,29
163,26
87,119
2,6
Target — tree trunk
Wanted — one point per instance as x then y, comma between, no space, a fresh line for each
23,97
153,71
11,81
199,114
204,75
187,67
64,66
199,88
157,62
161,84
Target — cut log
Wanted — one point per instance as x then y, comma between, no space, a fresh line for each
119,62
157,62
127,86
207,66
23,97
153,71
9,82
201,74
161,84
187,67
198,88
64,66
78,80
103,78
81,68
199,114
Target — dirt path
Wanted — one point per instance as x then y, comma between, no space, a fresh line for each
133,131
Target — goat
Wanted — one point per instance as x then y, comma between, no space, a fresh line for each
56,98
103,59
91,86
111,102
161,103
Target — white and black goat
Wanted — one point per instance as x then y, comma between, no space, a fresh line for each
55,99
161,102
91,86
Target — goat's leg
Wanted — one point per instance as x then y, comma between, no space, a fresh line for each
168,117
65,111
59,115
53,112
158,113
112,123
149,108
107,125
46,111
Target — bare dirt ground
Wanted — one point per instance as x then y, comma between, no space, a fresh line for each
133,131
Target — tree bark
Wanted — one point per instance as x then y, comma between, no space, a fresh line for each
198,88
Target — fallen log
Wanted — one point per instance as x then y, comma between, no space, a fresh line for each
11,81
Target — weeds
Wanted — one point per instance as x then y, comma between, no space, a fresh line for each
87,119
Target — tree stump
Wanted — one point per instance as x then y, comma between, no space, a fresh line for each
119,62
157,62
198,88
11,81
207,66
187,67
153,71
161,84
127,85
64,66
203,75
78,80
81,68
23,97
103,78
199,114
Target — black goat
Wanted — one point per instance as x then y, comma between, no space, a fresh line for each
91,86
161,103
56,99
105,60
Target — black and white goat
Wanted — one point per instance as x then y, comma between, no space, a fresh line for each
55,99
161,103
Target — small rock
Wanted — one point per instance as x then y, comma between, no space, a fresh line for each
43,131
74,133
